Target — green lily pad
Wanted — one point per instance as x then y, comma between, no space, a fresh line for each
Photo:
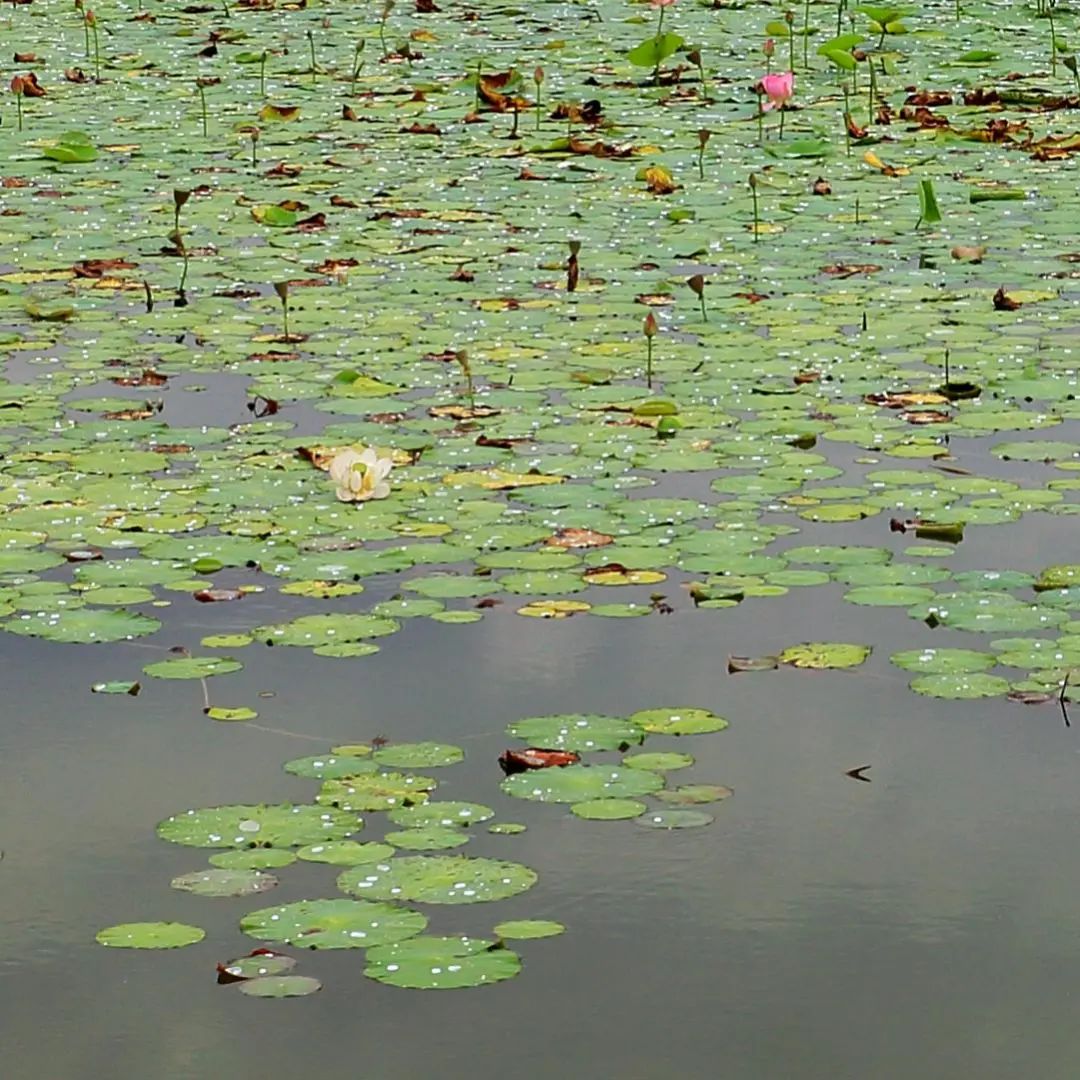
252,859
333,924
1063,576
439,879
581,783
345,852
257,826
674,819
422,755
529,929
825,654
331,766
888,595
319,630
608,809
686,721
658,762
150,935
434,963
430,838
255,967
507,828
577,731
376,791
220,882
442,814
83,626
931,661
280,986
694,794
960,685
192,667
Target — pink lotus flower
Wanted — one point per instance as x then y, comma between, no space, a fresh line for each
779,89
660,3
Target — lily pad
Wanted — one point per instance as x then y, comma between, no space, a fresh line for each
429,838
694,794
581,783
220,882
150,935
825,654
376,791
684,721
675,819
83,626
333,924
330,766
447,963
252,859
443,814
345,852
192,667
608,809
258,826
577,731
422,755
529,929
658,762
439,879
960,685
932,661
280,986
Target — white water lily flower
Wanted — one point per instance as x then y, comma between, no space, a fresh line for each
360,475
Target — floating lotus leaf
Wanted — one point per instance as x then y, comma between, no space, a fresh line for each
438,879
674,819
451,586
989,580
888,595
440,813
314,630
434,963
409,608
577,731
83,626
960,685
581,783
528,929
429,838
125,687
553,609
376,791
321,590
658,762
258,826
226,715
254,967
150,935
252,859
280,986
346,649
679,721
987,612
825,654
422,755
330,766
192,667
333,924
506,828
345,852
692,794
221,882
832,555
456,617
620,611
933,661
608,809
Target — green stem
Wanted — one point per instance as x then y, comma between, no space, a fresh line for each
648,357
760,118
86,37
285,318
18,108
183,276
753,195
873,87
314,66
262,75
701,162
701,300
357,65
1053,40
806,36
537,106
202,102
97,56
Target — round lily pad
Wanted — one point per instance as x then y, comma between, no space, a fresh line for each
83,625
608,809
330,766
577,731
507,828
679,721
693,794
674,819
280,986
262,963
333,924
443,814
222,882
192,667
581,783
430,838
658,762
439,879
150,935
960,685
252,859
933,661
258,826
421,755
345,852
888,595
313,630
435,963
376,791
825,654
529,929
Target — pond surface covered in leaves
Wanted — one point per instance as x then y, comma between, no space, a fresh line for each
734,464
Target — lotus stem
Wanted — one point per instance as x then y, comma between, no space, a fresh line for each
311,49
753,196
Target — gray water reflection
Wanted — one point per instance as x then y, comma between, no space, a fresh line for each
924,924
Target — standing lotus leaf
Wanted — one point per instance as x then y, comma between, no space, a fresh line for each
258,826
582,783
333,924
439,879
442,963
